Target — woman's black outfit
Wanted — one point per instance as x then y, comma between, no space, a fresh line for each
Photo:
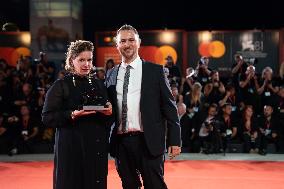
81,145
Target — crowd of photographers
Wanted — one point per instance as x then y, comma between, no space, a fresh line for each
240,113
22,94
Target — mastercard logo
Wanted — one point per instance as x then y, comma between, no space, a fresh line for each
158,54
215,49
12,55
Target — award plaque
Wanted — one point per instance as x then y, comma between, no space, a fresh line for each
92,98
93,101
93,107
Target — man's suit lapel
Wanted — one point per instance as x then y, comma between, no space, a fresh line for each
144,74
115,75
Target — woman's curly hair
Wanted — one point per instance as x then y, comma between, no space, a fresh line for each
74,49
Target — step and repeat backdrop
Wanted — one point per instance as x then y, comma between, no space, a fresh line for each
156,46
261,48
256,47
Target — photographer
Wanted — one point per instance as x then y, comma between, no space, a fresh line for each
249,85
44,67
228,126
214,89
231,97
189,130
174,73
13,133
209,132
29,131
268,129
188,81
25,97
202,72
248,130
280,114
239,67
268,89
24,69
3,135
5,92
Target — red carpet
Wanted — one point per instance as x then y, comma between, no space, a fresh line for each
178,174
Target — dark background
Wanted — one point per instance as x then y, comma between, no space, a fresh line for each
104,15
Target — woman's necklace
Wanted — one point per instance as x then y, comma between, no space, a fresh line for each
74,81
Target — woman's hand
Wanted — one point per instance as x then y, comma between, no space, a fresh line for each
108,111
13,119
78,113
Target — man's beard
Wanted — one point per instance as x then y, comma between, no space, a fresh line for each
128,55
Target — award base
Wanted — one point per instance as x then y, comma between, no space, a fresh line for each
92,107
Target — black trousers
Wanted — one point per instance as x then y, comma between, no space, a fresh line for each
133,160
265,140
249,144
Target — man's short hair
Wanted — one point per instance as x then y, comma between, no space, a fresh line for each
268,105
213,105
226,104
126,27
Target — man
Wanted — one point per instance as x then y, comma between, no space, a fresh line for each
228,126
209,133
143,102
174,73
202,71
268,129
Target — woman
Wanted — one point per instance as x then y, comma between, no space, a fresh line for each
249,130
189,128
214,89
81,139
194,99
109,65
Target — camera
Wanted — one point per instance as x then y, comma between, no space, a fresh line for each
208,124
251,61
25,132
213,123
203,60
40,59
238,57
40,89
200,62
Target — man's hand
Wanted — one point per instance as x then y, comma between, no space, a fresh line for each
228,93
25,137
174,151
240,62
13,119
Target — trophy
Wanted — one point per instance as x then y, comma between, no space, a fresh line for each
92,99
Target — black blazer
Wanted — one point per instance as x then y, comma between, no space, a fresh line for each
158,110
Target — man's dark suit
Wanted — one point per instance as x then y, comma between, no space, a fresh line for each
156,105
145,153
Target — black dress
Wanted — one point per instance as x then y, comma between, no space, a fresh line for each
81,145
